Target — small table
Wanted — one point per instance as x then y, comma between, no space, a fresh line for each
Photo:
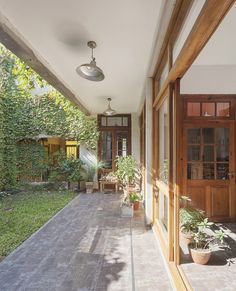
104,182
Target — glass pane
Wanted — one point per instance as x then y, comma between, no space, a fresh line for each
208,171
114,121
208,135
208,109
195,171
107,149
222,171
208,154
122,144
222,153
163,142
193,135
222,136
125,121
193,109
193,153
163,209
104,121
222,109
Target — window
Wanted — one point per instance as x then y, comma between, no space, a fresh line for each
163,143
114,121
208,109
208,153
72,149
107,149
163,163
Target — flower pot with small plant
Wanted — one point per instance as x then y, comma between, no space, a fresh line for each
91,170
127,169
201,247
189,217
135,198
126,208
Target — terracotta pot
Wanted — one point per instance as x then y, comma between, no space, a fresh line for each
136,205
187,237
200,256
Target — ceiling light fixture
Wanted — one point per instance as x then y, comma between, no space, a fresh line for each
91,71
109,111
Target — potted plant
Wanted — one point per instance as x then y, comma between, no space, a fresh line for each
189,217
126,208
91,170
201,249
90,173
135,198
126,172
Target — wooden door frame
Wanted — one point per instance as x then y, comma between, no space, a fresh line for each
114,130
212,124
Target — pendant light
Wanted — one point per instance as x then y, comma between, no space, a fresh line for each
91,71
109,111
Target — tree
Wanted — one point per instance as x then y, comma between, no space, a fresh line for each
26,115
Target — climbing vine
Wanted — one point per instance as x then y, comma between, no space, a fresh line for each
25,114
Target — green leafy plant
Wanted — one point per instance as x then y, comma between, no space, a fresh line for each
134,196
202,240
68,169
91,169
189,216
23,114
127,168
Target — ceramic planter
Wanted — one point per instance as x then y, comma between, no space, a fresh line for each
126,210
200,256
187,237
89,187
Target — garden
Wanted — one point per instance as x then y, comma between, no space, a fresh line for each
29,107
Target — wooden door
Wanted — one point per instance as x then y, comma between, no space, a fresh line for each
209,168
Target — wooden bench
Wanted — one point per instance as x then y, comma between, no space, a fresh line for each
103,183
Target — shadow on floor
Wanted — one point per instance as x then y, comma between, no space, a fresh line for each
220,272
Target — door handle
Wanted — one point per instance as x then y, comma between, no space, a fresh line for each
231,174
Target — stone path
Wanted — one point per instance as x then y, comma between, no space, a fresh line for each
87,246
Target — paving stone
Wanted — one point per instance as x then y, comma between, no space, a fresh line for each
87,247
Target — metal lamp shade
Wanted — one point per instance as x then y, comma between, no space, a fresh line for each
109,111
90,72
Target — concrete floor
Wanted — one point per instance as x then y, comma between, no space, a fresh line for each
87,246
220,272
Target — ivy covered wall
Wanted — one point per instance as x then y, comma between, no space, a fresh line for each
24,115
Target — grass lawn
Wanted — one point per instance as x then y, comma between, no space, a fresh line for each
23,213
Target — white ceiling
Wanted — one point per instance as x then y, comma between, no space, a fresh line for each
123,29
221,48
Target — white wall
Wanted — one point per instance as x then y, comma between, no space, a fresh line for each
135,137
207,79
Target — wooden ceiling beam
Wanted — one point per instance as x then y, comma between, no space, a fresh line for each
207,22
180,12
15,43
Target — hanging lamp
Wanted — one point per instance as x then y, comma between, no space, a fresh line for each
109,111
91,71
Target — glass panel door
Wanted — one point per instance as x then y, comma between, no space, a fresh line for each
122,144
208,153
107,149
163,164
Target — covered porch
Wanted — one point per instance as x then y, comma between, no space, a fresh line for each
169,68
